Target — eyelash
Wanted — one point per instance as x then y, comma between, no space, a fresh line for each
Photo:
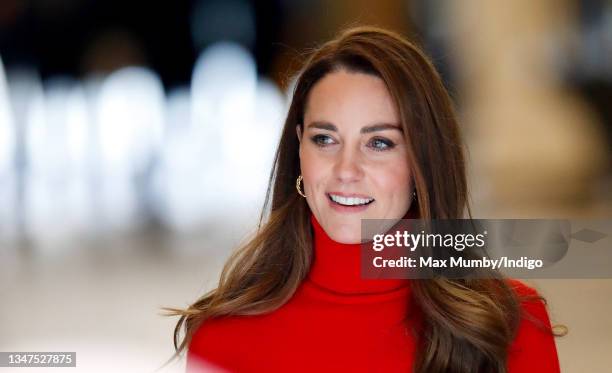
317,140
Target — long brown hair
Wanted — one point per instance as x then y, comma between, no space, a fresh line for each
467,325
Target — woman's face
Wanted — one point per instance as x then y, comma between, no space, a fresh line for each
353,155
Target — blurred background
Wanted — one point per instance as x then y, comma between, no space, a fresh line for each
136,139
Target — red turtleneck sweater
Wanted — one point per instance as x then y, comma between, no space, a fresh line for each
338,322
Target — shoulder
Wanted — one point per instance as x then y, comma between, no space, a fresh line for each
528,296
210,347
534,347
231,341
534,307
215,332
521,288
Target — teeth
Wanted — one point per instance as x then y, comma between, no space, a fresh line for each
350,201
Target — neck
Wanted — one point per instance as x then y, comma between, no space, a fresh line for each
337,267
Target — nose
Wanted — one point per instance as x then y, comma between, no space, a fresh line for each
348,167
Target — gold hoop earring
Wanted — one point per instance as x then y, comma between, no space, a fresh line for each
297,186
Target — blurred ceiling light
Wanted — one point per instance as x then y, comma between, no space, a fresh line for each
223,93
56,199
179,183
129,117
224,86
8,185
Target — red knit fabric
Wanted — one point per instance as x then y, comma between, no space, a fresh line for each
338,322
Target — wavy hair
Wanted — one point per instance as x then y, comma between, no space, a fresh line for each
466,325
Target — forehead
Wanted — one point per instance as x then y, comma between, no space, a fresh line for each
345,98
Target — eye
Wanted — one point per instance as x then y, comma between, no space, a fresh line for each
380,144
322,140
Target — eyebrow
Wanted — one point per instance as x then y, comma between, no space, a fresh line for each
366,129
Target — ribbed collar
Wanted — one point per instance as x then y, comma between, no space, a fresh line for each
337,267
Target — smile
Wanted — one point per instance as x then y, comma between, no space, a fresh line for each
350,201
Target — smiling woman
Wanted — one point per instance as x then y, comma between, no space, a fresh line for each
370,134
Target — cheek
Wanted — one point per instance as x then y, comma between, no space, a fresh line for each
393,180
311,165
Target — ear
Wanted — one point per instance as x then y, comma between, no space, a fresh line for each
298,130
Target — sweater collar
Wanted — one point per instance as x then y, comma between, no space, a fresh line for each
337,266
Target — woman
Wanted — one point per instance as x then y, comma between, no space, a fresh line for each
370,133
